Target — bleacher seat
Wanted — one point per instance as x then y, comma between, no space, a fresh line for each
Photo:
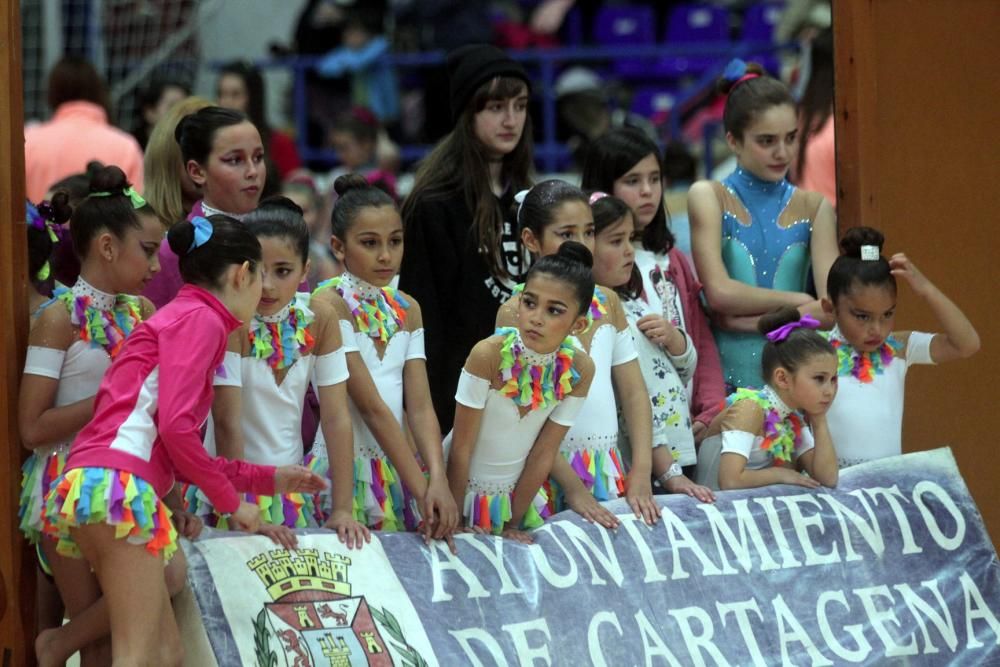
654,102
693,23
759,24
626,26
761,20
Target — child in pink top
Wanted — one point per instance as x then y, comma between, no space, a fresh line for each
145,431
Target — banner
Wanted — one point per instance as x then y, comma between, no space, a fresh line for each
892,567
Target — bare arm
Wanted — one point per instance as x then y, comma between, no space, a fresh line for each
821,461
382,423
536,469
724,294
959,339
39,421
463,441
733,474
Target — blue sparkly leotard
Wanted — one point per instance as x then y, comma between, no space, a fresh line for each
766,227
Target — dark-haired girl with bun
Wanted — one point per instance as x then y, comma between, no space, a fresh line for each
867,418
223,155
290,341
774,434
519,393
627,164
73,340
463,256
591,469
383,334
107,507
759,243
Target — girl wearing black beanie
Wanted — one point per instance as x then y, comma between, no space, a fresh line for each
463,256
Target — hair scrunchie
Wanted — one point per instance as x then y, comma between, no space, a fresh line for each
130,192
785,330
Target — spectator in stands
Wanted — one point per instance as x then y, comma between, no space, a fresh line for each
78,132
816,167
363,57
463,255
362,144
301,189
241,87
155,100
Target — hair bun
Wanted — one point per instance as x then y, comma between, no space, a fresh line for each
59,205
856,237
348,182
576,252
777,319
180,237
736,70
279,202
108,179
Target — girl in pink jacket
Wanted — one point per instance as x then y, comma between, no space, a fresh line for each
145,434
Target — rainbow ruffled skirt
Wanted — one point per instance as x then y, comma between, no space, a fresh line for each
491,511
37,476
600,470
118,498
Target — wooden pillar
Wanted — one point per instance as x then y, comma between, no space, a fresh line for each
917,157
17,566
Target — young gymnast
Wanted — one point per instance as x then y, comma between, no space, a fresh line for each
625,163
107,505
667,358
866,419
759,243
590,468
772,435
519,394
72,342
223,156
290,341
383,334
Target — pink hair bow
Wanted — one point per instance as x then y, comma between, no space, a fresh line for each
597,196
784,331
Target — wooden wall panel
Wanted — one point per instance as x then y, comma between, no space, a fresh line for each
16,562
919,157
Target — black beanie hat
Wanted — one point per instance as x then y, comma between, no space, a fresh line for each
472,65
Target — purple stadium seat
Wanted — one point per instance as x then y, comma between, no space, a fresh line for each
760,21
697,23
654,103
693,23
626,26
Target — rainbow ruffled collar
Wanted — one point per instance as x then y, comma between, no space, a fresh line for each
597,309
282,338
378,312
532,380
863,366
105,320
782,425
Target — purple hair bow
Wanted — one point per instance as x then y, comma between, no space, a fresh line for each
784,331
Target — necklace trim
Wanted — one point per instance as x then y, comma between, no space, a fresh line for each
863,366
281,339
379,312
531,379
105,320
782,425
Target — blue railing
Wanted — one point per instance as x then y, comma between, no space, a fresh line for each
549,152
